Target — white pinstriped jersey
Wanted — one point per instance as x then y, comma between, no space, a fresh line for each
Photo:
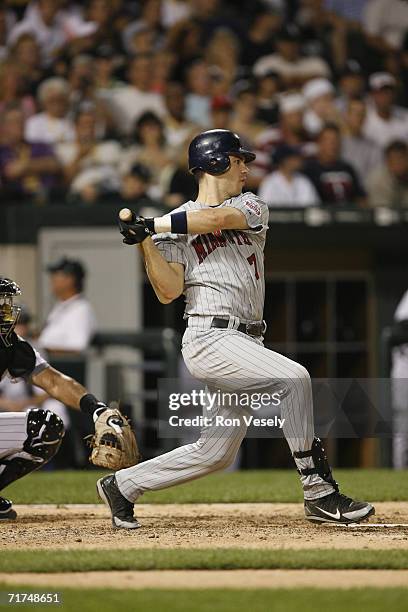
224,271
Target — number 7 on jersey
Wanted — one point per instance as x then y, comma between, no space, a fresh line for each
252,262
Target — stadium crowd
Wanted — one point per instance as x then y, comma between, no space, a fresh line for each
99,99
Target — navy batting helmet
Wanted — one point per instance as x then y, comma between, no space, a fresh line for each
209,151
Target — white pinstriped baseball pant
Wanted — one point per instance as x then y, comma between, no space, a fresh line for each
220,358
13,432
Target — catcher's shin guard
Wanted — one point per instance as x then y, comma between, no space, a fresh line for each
45,431
320,463
7,512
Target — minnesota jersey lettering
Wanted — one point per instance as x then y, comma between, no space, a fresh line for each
205,244
218,278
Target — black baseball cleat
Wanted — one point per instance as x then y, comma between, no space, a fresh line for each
121,509
337,508
6,510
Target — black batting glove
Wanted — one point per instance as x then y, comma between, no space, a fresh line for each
133,232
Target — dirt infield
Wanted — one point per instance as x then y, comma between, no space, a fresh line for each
201,579
198,526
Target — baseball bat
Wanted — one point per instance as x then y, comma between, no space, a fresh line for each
126,215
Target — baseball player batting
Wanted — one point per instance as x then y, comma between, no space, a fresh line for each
212,251
30,439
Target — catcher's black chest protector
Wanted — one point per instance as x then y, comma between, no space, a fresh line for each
18,359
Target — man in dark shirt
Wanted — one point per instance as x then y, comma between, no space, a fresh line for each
28,171
335,180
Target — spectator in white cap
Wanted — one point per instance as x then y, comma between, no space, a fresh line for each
286,186
291,103
319,96
52,125
293,68
385,122
292,109
289,130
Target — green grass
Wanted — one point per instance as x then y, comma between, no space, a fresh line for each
184,558
225,600
244,486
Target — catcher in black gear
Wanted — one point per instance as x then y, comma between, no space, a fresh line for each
29,439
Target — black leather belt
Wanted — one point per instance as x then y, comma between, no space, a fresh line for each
252,329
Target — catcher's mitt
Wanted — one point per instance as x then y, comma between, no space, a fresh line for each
114,444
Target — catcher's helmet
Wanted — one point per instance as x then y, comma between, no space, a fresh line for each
209,151
9,313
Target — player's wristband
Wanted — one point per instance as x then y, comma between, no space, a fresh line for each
175,223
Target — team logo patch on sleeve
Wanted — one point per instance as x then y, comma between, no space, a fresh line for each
253,206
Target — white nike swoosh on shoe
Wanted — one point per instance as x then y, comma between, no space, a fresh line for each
334,516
